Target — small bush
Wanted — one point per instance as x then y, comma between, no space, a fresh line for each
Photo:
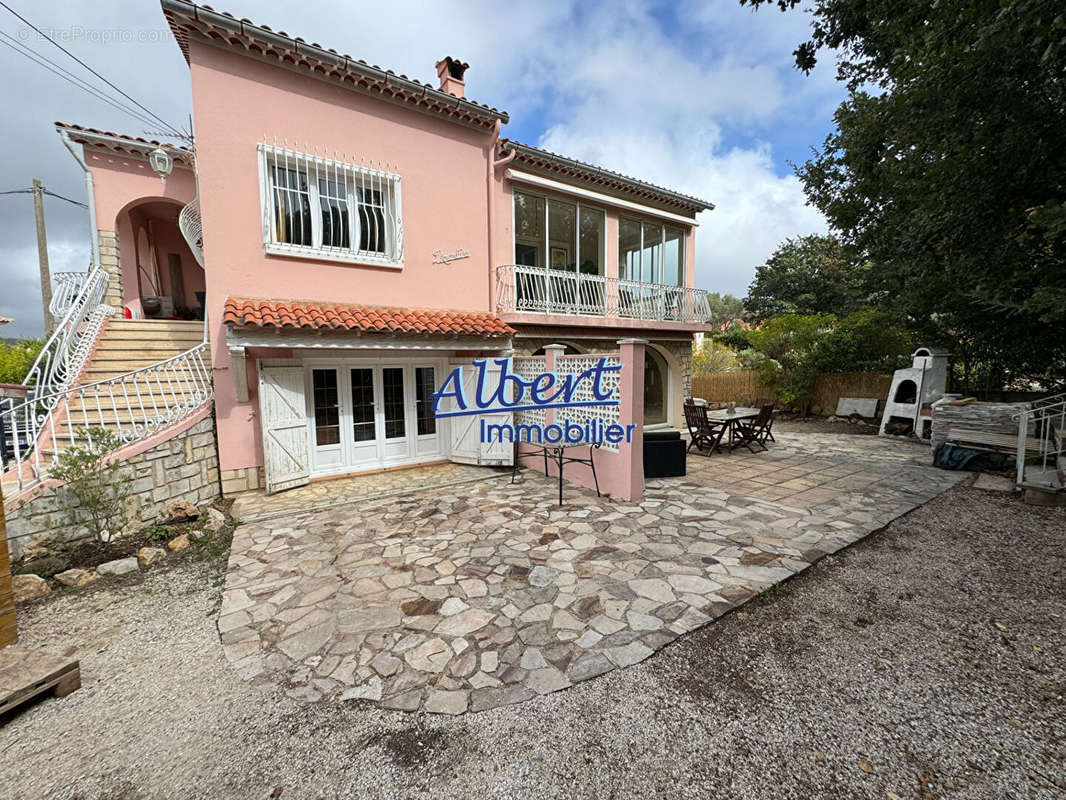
714,357
16,359
100,487
158,533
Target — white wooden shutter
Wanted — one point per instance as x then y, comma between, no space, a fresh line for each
466,444
284,422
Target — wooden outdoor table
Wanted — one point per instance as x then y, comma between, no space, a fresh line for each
733,420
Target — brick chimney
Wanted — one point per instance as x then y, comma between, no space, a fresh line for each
450,71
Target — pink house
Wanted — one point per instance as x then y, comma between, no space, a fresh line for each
362,234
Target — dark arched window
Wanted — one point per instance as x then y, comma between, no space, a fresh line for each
569,351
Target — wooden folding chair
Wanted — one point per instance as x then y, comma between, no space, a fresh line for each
757,431
704,435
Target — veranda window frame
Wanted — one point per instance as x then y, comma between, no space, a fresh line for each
358,180
579,205
682,248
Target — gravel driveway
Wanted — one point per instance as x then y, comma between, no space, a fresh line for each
926,661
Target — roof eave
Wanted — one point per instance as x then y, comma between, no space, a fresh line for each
175,8
693,204
127,146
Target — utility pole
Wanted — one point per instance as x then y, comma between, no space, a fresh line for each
42,254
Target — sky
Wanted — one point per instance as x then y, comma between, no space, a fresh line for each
701,97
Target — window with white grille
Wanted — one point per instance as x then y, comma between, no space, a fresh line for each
329,208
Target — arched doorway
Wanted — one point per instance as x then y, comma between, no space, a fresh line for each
656,387
160,275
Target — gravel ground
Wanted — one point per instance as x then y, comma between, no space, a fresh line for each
927,661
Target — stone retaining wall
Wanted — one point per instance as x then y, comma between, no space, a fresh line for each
184,467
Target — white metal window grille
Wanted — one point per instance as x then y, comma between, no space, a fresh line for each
330,208
610,382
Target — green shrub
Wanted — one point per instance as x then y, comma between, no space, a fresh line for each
790,344
714,357
866,341
17,358
100,487
736,335
751,359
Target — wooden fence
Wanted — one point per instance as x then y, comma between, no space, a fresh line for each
8,632
743,387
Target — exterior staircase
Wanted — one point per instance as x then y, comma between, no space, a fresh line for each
126,346
139,377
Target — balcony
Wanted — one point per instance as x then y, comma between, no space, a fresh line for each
537,290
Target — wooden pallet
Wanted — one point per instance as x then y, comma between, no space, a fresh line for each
24,674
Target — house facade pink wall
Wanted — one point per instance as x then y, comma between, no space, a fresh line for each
120,181
121,186
239,102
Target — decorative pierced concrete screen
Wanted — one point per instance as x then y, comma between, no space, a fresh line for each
529,367
575,365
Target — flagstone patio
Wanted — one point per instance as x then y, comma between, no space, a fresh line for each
253,506
472,596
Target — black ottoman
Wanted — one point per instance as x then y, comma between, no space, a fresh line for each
664,454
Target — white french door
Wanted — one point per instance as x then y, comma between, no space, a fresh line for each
368,414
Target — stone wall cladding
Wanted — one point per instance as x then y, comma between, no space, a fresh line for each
182,468
109,263
245,479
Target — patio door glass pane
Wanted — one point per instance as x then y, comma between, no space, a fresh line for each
591,244
528,230
363,424
674,257
652,254
424,387
628,249
327,409
392,384
562,232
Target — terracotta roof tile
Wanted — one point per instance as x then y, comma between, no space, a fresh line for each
186,19
312,314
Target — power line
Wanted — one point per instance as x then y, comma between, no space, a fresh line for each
60,196
150,113
33,55
49,193
76,82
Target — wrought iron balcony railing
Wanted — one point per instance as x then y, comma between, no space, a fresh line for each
551,291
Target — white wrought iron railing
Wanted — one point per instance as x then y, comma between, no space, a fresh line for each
551,291
192,229
1046,419
65,290
133,405
64,354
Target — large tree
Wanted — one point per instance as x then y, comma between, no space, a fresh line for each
947,168
724,307
806,275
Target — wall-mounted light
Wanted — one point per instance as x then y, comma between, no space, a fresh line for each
161,163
